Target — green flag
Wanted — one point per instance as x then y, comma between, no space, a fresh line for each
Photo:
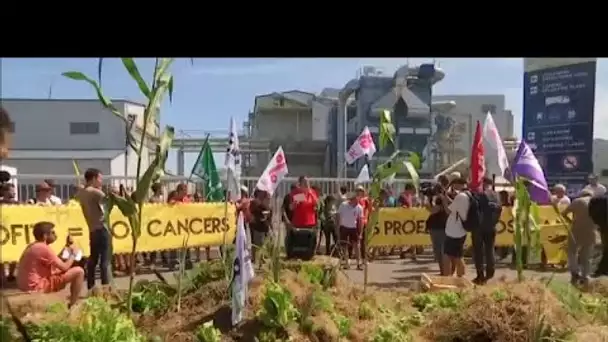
205,169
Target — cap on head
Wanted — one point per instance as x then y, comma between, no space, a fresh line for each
244,188
351,195
459,181
455,175
43,187
585,193
360,188
559,187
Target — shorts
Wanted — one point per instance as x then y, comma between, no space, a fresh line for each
349,235
454,247
54,283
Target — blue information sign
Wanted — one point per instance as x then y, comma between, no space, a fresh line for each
558,121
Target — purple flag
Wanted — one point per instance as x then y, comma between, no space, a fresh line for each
527,166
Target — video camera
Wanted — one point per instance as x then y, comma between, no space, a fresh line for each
430,189
5,177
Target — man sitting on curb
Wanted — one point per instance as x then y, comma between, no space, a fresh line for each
41,270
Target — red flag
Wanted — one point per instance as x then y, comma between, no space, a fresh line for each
477,170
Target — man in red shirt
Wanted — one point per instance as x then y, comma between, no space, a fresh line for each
41,270
301,237
303,205
180,195
366,205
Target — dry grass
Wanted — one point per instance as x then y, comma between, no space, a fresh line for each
502,312
505,312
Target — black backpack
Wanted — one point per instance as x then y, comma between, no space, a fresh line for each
474,218
597,210
491,209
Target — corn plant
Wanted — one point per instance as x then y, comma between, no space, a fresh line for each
395,164
182,271
132,206
527,227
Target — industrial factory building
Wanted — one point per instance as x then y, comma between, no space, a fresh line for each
316,129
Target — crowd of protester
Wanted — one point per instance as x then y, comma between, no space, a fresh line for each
337,219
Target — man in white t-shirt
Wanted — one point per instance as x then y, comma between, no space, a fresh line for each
595,187
350,220
453,246
559,195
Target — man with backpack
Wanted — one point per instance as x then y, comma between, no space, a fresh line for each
483,231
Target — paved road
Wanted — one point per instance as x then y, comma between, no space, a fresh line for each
389,272
395,272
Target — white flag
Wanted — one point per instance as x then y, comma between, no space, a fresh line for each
242,272
364,145
232,163
497,162
274,172
363,176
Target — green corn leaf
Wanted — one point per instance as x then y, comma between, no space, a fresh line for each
156,98
126,205
132,69
170,88
99,70
415,159
394,164
413,173
109,205
157,166
135,226
387,130
163,67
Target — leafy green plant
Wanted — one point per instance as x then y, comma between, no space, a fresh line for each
207,332
202,274
365,311
317,301
314,274
278,309
151,296
439,300
5,329
57,308
98,322
132,206
343,323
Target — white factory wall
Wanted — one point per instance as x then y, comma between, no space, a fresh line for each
320,122
472,108
44,133
283,125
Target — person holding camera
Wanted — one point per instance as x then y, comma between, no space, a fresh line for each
436,221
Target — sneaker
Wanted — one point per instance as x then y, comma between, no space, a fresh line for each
479,280
574,279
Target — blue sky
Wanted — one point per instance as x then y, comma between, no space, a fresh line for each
212,90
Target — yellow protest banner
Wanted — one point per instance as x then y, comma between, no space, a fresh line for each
403,227
164,227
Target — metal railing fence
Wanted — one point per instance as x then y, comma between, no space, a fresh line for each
65,184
